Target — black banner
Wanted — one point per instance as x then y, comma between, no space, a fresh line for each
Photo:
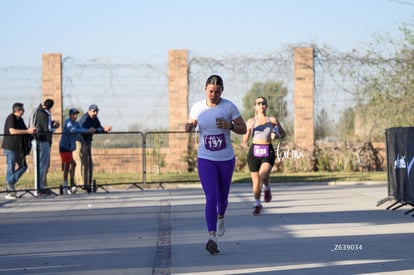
400,162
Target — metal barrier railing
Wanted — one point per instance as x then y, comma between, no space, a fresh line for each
132,158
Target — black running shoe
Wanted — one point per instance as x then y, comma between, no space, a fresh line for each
211,247
268,195
257,210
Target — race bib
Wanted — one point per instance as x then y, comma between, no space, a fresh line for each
260,150
215,142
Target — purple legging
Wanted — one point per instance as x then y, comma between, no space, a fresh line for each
215,177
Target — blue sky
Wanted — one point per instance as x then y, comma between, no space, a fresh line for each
135,31
142,32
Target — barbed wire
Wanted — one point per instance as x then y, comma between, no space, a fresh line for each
135,96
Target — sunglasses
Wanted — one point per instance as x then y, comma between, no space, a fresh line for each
261,103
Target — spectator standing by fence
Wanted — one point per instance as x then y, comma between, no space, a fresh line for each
216,117
261,156
46,126
16,145
84,145
70,131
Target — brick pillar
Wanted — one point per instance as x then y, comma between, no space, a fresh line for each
52,88
52,82
304,98
178,105
178,89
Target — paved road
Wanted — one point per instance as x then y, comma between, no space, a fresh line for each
307,229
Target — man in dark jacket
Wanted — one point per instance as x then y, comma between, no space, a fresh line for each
84,145
16,145
45,128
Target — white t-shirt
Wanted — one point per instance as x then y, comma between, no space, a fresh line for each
215,143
